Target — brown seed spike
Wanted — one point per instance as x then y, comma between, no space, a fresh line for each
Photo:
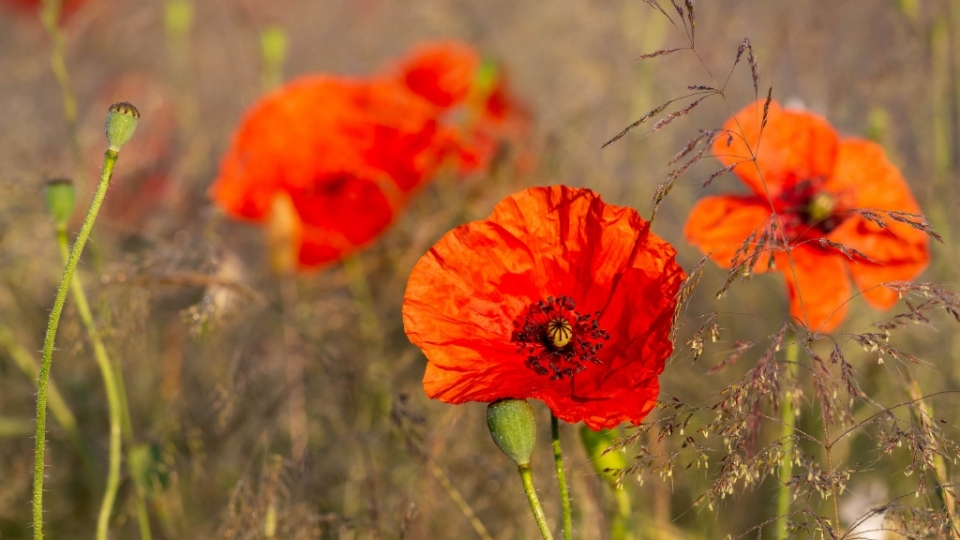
766,108
691,16
754,70
639,121
677,114
660,52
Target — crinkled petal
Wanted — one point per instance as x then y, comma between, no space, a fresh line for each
793,146
465,295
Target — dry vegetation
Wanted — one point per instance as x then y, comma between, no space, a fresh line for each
188,307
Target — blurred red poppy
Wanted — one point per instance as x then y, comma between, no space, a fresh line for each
347,153
344,154
821,187
557,296
453,77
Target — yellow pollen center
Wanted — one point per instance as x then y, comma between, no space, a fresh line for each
560,332
821,207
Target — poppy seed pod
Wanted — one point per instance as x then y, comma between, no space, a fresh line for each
514,428
121,123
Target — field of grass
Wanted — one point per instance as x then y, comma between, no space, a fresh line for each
224,436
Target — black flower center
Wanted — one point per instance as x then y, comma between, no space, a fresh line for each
557,340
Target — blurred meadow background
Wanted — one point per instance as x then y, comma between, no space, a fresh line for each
189,309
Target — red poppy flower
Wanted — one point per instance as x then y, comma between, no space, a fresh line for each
557,296
816,182
346,153
453,77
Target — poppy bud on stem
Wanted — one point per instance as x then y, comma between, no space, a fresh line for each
61,198
513,427
120,125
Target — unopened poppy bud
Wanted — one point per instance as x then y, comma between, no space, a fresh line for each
821,207
273,45
121,123
596,443
513,428
61,197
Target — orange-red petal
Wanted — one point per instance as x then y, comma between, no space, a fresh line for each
864,179
348,153
441,72
817,286
465,295
794,145
720,225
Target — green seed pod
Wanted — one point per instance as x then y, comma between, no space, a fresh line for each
513,428
121,123
596,443
61,197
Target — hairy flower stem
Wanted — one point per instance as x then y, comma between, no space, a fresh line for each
119,411
561,477
526,475
109,160
788,419
58,406
50,17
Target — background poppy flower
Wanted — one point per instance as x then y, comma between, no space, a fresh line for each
346,152
557,296
452,76
816,182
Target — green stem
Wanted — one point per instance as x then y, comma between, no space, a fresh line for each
109,160
788,420
50,17
461,503
620,529
58,406
561,477
362,294
119,411
527,477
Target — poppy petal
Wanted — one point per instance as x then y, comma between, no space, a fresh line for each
793,146
817,286
466,295
865,179
720,225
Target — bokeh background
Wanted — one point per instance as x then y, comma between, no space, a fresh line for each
191,312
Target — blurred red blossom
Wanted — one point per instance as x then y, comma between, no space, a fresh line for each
827,192
67,7
453,77
557,296
343,155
